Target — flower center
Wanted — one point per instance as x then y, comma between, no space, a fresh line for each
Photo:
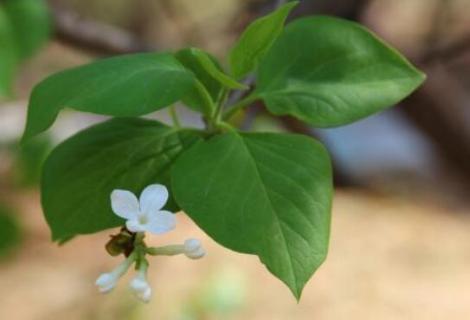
143,218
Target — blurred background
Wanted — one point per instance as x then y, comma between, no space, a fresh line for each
400,244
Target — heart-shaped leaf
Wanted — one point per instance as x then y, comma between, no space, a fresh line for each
263,194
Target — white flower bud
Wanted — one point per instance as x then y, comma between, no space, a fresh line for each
140,286
106,282
145,296
193,249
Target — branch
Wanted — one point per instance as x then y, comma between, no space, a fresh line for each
95,36
452,51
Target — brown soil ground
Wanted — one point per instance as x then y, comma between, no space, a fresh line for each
389,259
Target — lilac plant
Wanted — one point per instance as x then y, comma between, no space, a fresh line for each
265,194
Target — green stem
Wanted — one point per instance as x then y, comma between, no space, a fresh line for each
139,239
220,105
238,106
226,126
216,117
139,249
174,117
170,250
208,104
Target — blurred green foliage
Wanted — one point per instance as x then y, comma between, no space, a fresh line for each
7,54
24,29
222,297
29,158
10,235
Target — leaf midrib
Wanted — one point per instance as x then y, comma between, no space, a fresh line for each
273,210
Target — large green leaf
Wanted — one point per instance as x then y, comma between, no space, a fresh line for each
130,85
31,24
264,194
8,59
331,72
80,174
256,40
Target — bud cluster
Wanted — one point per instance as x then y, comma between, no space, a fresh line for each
142,215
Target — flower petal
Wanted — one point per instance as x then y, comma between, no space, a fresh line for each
161,222
153,198
124,204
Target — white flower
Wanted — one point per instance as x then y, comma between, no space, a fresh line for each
107,281
193,249
140,286
144,214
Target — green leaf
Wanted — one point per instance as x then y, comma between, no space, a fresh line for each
10,233
8,59
331,72
31,24
205,90
81,173
261,193
257,39
125,86
210,80
215,72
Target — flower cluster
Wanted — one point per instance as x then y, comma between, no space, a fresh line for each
145,215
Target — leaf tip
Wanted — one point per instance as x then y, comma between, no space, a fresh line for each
292,4
422,76
297,292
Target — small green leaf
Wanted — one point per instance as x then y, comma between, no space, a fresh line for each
81,173
210,80
8,59
264,194
257,39
31,24
206,90
125,86
330,72
215,72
